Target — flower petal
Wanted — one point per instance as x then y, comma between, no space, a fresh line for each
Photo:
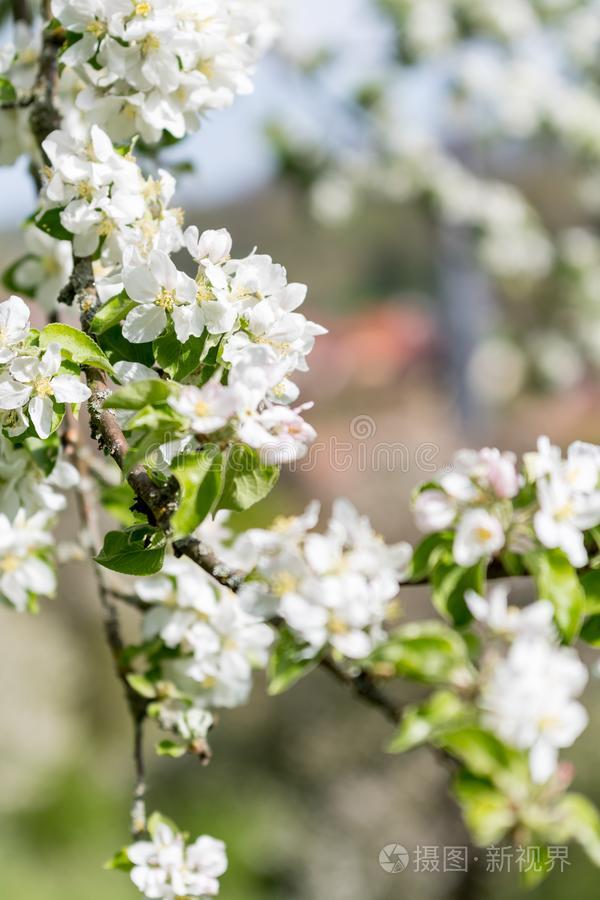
40,413
144,323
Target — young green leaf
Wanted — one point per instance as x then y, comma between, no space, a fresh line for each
489,814
178,360
75,345
138,394
557,581
7,91
170,748
440,712
199,476
51,224
289,662
139,550
246,479
141,685
427,651
448,585
113,312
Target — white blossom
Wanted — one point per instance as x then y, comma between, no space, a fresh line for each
335,588
528,700
14,327
159,66
478,535
24,572
159,289
33,383
220,642
165,868
493,611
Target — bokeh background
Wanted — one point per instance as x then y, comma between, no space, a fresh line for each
299,786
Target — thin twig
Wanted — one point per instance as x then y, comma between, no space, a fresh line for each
366,689
91,539
138,809
21,11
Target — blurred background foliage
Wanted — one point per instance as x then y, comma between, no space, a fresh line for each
299,786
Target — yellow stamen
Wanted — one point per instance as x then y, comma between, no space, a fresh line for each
42,387
283,583
166,300
10,563
150,43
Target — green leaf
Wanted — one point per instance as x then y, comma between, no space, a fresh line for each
51,224
118,348
141,685
590,583
590,632
427,553
7,91
157,819
153,427
289,662
488,813
10,277
120,861
138,394
422,723
170,748
482,752
246,480
427,651
449,583
199,476
557,581
75,345
178,360
139,550
112,313
579,820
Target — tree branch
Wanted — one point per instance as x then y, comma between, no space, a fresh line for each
365,688
21,11
91,539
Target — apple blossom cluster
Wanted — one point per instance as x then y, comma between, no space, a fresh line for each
244,303
529,688
166,867
434,26
512,243
147,68
31,384
490,505
332,590
218,642
243,309
494,74
104,204
32,380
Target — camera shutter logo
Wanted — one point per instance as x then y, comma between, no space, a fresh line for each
394,858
